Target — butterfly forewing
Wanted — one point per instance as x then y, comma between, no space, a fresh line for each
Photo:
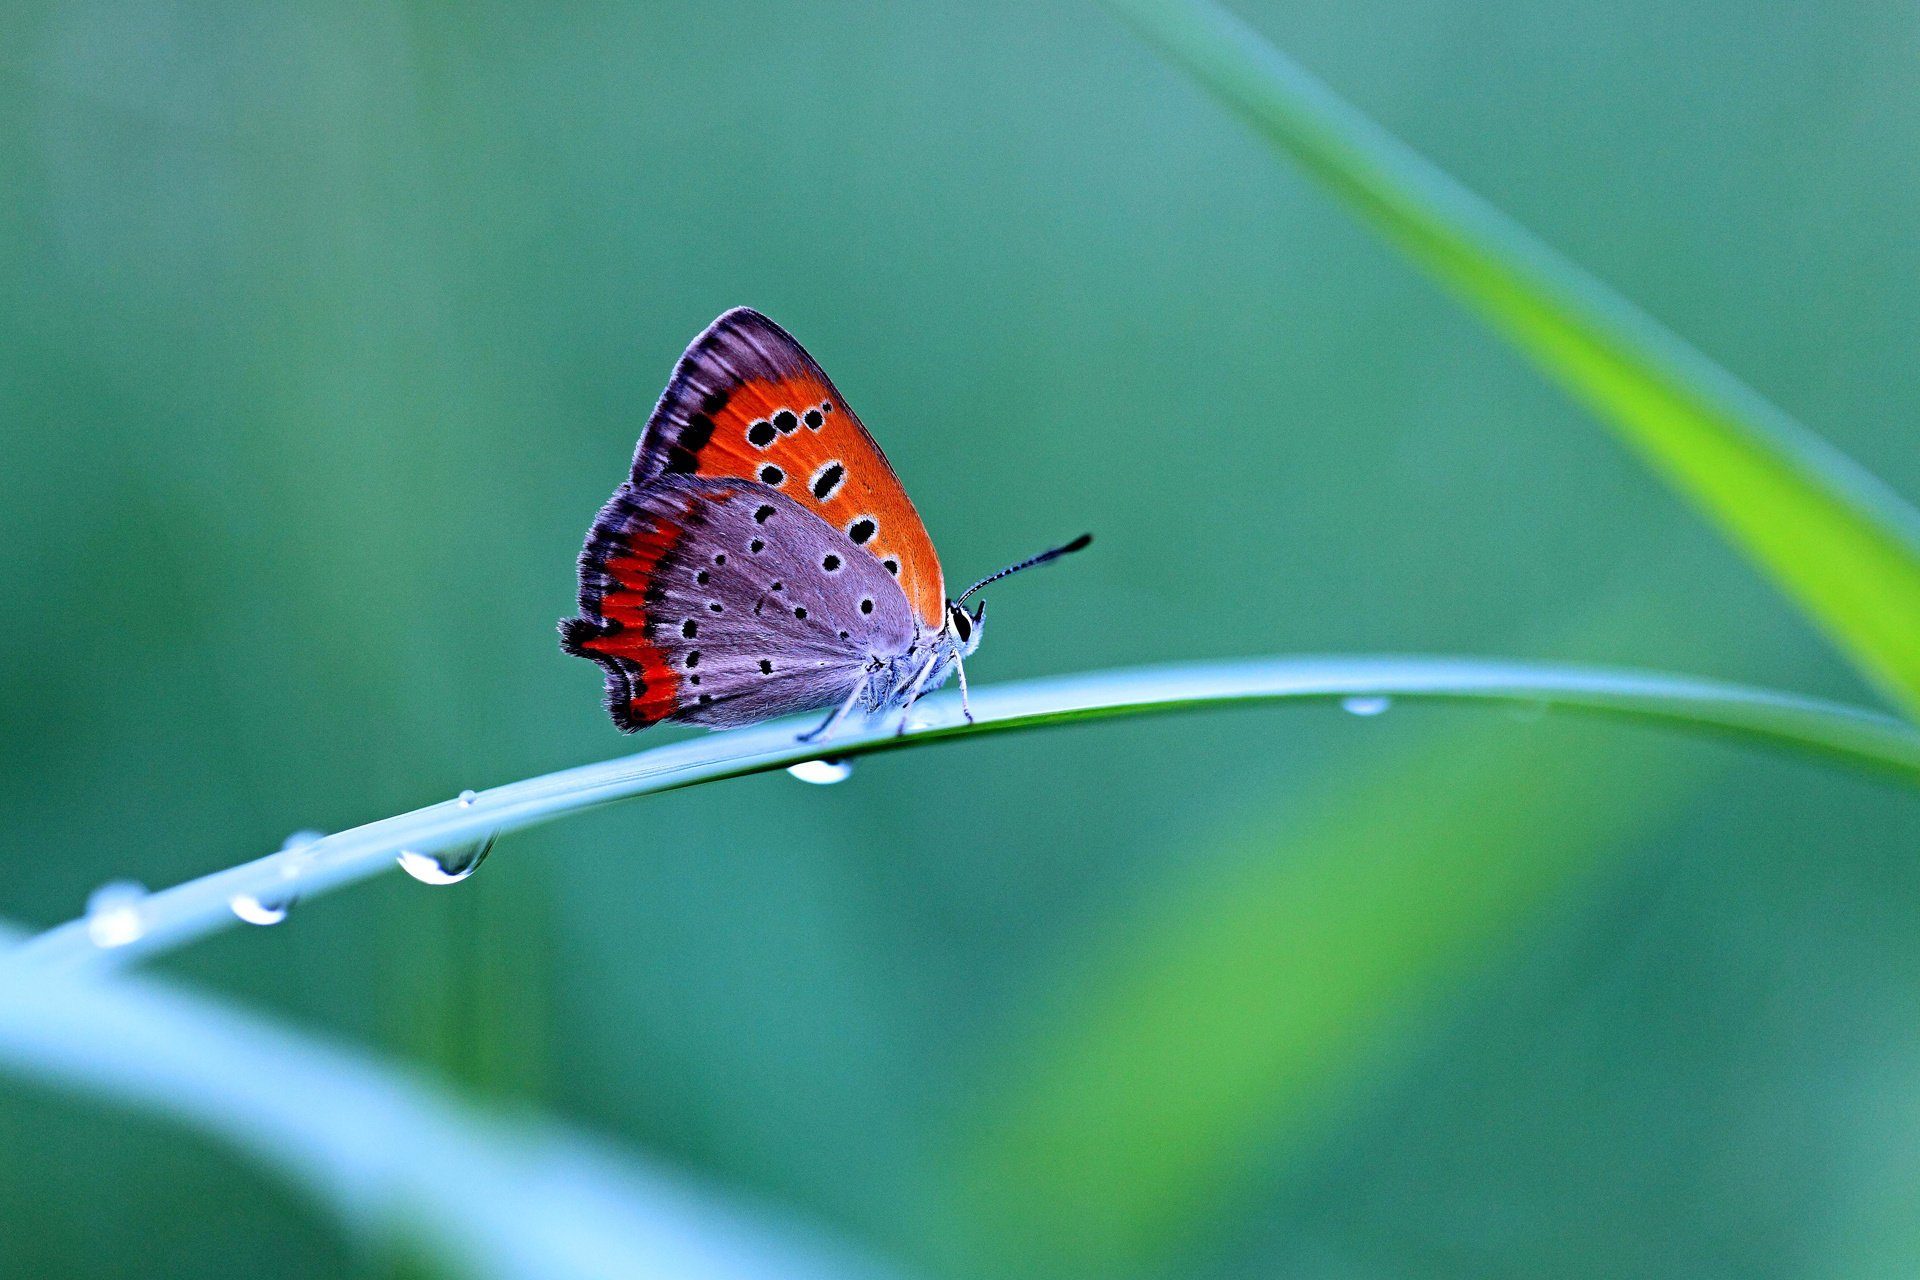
747,402
723,603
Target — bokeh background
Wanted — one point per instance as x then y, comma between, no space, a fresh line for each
325,329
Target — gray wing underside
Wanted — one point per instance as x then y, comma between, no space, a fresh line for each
801,612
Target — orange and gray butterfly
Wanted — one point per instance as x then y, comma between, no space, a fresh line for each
722,603
747,402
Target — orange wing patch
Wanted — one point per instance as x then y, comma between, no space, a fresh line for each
746,401
618,568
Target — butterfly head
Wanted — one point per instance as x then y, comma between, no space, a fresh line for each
963,628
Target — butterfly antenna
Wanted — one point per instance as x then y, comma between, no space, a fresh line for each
1077,544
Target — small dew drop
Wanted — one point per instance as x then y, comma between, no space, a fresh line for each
446,868
822,773
1366,705
114,916
467,798
301,839
250,909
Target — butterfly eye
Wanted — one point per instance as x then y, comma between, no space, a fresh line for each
962,624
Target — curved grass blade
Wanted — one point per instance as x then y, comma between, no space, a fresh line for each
390,1155
174,916
1841,544
1219,1029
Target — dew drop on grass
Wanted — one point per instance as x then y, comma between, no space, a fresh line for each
272,908
446,868
250,909
1371,704
822,773
454,865
114,914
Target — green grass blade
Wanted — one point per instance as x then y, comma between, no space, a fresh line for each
174,916
507,1198
1220,1028
1841,544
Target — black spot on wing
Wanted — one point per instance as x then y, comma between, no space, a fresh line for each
827,480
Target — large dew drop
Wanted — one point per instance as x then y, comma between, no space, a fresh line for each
822,773
114,913
446,868
1366,704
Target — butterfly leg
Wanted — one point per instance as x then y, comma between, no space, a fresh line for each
832,722
961,667
913,692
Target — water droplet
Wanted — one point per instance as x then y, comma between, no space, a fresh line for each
822,773
301,839
251,909
467,798
446,868
114,916
1371,704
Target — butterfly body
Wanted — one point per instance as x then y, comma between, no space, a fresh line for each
761,558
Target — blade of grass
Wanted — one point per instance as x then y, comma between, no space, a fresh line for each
390,1154
174,916
1841,544
1224,1025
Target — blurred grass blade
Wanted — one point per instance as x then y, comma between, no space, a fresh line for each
391,1155
173,916
1224,1025
1842,545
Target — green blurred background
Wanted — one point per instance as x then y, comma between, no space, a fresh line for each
325,329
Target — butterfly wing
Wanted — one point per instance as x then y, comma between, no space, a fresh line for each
723,603
747,402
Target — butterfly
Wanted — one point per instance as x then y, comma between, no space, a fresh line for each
762,558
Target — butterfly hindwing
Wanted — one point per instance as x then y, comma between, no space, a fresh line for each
722,603
747,402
